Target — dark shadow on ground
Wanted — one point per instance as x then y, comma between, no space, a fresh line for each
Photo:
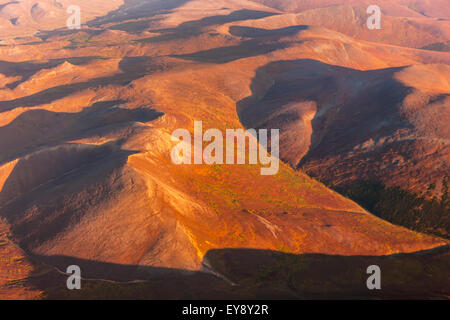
8,3
28,68
246,49
50,191
194,28
402,207
370,109
250,32
134,27
131,9
367,108
62,32
56,182
136,9
307,80
258,274
255,42
35,129
132,68
439,46
154,284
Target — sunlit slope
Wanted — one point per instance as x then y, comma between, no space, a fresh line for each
26,17
405,8
85,167
345,125
406,23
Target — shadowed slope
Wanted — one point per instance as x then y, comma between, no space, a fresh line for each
98,185
134,9
436,8
195,28
405,23
24,18
131,69
345,126
256,274
26,132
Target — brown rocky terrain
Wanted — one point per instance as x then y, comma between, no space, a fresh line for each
405,23
87,115
344,124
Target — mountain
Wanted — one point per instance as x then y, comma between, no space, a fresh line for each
403,22
405,8
87,116
385,123
23,18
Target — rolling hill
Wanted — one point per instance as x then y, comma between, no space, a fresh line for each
87,115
